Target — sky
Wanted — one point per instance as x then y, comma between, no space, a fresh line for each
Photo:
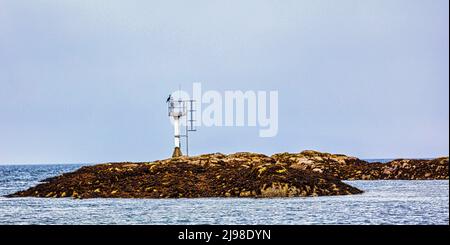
86,81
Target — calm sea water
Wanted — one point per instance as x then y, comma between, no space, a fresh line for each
384,202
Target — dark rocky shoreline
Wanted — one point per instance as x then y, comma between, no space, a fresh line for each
308,173
351,168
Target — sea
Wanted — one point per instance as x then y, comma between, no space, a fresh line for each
399,202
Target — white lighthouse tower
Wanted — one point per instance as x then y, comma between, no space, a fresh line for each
177,109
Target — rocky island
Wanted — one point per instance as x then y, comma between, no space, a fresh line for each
308,173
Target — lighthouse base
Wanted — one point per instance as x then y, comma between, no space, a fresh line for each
176,152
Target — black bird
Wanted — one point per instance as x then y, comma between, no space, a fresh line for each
169,98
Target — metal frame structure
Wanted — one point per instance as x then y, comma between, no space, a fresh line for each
178,109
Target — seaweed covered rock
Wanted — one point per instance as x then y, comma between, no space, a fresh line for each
416,169
336,165
243,174
351,168
211,175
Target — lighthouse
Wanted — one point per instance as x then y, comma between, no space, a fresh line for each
177,110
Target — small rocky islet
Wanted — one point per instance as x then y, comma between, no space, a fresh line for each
308,173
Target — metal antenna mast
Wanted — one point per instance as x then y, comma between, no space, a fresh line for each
189,122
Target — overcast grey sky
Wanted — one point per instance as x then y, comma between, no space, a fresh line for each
86,81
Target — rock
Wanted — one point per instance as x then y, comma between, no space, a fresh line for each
317,170
365,177
75,194
246,194
387,171
242,174
351,168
